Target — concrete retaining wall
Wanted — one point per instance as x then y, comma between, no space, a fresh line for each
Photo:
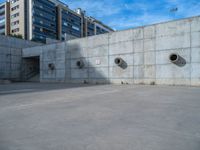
11,57
145,51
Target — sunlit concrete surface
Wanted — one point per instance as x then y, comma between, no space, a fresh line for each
37,116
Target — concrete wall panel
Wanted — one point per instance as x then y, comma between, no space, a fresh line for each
149,45
138,46
79,52
195,39
33,51
98,73
150,58
138,59
121,36
138,72
60,74
149,32
48,74
60,64
138,34
195,24
73,44
195,71
97,41
120,73
98,51
195,53
173,42
98,62
79,73
121,48
60,55
49,55
172,71
149,72
173,28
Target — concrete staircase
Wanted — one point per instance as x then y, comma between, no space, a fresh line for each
35,78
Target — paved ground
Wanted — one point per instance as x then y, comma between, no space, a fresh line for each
106,117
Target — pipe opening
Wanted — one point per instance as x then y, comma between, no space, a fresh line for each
118,61
51,66
173,57
80,64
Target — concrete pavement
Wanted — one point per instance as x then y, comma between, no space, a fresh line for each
37,116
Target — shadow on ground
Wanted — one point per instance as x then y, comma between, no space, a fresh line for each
28,87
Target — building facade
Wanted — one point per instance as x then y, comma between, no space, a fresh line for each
70,24
5,18
40,19
17,17
95,27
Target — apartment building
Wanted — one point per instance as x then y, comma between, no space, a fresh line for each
70,24
17,17
94,27
5,18
40,19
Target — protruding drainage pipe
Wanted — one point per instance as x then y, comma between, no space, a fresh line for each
119,61
177,60
51,66
80,64
174,58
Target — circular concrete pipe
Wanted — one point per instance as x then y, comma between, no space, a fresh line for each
51,66
174,58
119,61
80,64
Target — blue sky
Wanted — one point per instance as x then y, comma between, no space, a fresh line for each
123,14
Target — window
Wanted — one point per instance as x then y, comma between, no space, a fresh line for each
15,7
15,23
75,28
15,30
2,21
15,15
41,37
53,18
65,24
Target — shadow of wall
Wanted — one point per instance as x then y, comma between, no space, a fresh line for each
30,68
93,56
64,57
99,54
11,57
